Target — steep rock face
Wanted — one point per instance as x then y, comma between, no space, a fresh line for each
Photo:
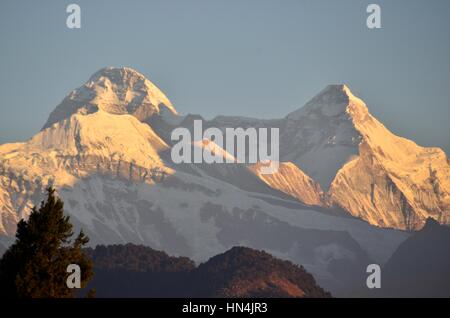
392,182
292,181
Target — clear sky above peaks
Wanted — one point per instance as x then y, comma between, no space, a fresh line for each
250,58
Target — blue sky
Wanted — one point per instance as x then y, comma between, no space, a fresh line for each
236,57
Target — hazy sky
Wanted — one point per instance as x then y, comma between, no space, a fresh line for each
252,58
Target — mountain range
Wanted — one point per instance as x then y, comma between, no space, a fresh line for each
347,192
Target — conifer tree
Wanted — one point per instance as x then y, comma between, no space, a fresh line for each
35,265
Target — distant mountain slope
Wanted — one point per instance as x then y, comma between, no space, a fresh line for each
138,271
5,242
421,265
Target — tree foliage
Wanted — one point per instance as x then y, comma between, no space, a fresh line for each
35,265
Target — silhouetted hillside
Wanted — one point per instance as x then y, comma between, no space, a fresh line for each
137,258
421,265
139,271
245,272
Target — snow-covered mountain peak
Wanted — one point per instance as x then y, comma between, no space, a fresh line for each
115,91
333,101
119,75
321,136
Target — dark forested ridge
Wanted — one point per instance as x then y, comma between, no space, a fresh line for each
139,271
245,272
